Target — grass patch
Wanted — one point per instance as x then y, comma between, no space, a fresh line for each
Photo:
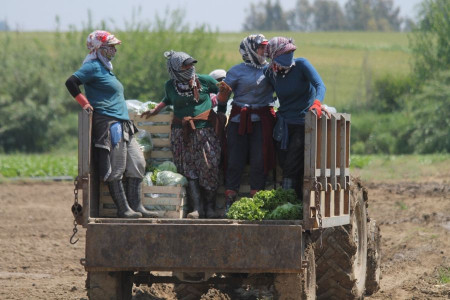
401,205
38,165
444,275
400,167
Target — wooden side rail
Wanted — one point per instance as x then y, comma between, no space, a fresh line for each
326,172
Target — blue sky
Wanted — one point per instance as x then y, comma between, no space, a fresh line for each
226,16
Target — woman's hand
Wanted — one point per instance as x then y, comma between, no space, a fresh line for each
149,113
153,111
224,91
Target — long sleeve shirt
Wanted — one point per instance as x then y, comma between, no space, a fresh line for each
296,90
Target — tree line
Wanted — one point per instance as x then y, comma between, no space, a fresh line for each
326,15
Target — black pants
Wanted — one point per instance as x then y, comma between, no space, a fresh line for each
292,159
243,148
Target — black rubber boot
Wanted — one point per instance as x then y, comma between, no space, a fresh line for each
195,198
210,203
120,200
230,198
134,197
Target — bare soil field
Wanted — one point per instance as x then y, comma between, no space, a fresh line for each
38,262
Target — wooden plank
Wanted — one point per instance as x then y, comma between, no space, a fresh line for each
163,189
333,143
336,221
161,142
342,151
158,129
161,154
323,150
332,203
161,117
346,202
327,208
347,142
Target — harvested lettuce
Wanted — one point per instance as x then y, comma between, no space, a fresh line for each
169,178
247,209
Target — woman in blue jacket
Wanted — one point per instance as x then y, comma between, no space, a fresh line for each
299,89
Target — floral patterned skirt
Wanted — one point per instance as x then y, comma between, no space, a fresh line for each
199,158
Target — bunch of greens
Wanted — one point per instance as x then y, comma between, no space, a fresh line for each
274,198
287,211
276,204
247,209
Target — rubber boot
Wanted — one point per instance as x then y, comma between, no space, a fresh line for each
230,198
120,200
134,197
195,198
210,203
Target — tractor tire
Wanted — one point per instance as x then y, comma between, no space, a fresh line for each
190,291
341,252
109,285
298,286
373,274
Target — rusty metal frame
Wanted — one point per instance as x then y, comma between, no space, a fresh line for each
195,246
84,164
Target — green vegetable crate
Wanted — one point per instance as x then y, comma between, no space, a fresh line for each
168,201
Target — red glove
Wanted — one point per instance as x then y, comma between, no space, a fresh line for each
317,106
83,101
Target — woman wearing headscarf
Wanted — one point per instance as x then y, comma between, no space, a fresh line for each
249,130
117,151
194,142
299,89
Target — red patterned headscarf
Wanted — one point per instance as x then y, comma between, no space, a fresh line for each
278,46
97,40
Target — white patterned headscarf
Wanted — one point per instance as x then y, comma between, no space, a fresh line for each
185,81
249,50
97,42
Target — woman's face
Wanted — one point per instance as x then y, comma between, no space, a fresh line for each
109,51
261,49
186,67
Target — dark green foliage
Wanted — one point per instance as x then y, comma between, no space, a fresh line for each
389,92
430,41
265,16
287,211
430,116
324,15
374,133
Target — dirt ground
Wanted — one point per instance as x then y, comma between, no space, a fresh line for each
38,262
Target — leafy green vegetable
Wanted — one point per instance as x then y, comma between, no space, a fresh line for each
247,209
169,178
274,198
273,204
154,175
167,166
287,211
151,105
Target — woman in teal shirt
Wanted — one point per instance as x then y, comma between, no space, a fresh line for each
116,150
194,141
